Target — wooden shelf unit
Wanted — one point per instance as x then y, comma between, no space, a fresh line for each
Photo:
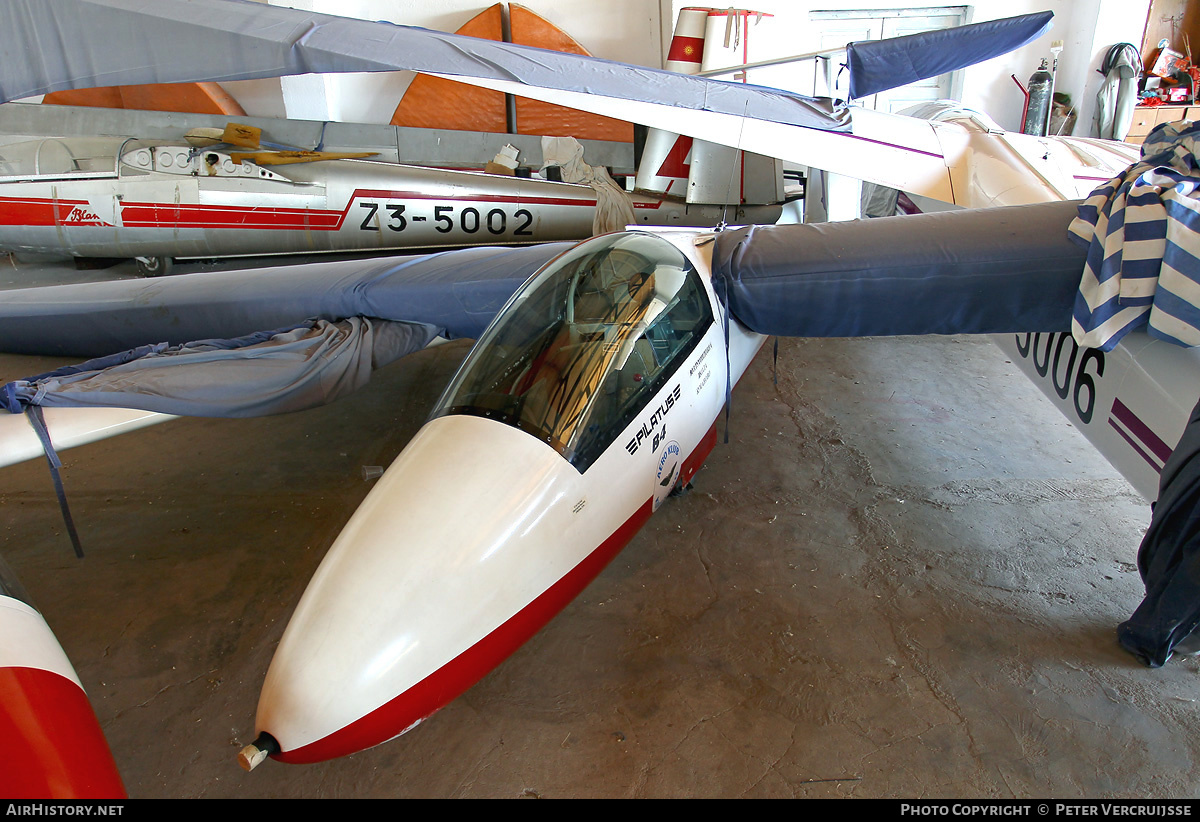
1146,118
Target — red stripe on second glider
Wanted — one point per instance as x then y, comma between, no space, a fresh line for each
47,212
51,745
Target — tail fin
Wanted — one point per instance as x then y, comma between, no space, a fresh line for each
693,170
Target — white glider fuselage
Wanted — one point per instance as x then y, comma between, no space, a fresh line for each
548,452
999,168
552,447
1132,403
953,161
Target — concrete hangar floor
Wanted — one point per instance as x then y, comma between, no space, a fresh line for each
900,578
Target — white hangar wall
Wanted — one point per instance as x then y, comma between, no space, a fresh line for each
1086,27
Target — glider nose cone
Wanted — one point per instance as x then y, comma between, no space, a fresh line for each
416,599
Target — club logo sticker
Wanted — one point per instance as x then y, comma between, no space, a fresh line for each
668,472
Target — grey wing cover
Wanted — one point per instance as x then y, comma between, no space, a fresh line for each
254,342
170,41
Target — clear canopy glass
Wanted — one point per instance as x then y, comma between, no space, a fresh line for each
76,157
581,348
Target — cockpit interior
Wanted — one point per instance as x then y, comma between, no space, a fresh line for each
585,344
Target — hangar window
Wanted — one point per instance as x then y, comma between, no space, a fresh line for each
583,345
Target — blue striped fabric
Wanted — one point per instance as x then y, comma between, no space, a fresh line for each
1142,233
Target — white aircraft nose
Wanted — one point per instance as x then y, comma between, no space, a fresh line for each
456,557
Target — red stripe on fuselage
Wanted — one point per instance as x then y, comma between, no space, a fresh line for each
51,745
49,212
32,212
696,459
152,215
460,673
452,679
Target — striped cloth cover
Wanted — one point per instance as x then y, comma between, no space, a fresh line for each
1142,233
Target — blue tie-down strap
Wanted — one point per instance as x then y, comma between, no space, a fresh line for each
25,396
34,414
269,372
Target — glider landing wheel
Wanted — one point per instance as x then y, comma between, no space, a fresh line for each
681,490
154,266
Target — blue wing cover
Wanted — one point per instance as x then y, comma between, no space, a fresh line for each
976,272
879,65
456,291
248,343
982,271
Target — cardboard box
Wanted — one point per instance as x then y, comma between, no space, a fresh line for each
1168,62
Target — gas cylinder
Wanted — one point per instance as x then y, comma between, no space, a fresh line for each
1037,109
